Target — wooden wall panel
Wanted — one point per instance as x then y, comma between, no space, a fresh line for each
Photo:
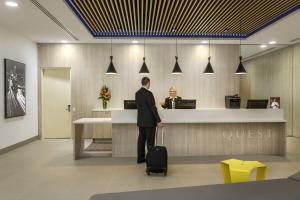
296,91
89,62
271,75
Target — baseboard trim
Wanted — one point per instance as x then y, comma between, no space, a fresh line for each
294,137
19,144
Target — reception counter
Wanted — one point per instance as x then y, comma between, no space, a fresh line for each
205,132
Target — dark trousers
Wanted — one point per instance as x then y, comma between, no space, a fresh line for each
145,135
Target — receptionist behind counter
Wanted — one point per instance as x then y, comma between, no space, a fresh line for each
170,101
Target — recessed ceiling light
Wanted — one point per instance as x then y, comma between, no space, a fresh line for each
64,41
263,46
134,41
204,42
272,42
11,3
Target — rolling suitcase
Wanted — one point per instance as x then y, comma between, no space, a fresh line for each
157,158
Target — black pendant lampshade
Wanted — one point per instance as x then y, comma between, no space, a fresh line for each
209,69
144,69
176,69
241,69
111,68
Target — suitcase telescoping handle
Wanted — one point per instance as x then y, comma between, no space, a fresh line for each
162,136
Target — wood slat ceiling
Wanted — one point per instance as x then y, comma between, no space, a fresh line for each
180,18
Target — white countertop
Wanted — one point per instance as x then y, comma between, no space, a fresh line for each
105,110
200,115
92,121
219,115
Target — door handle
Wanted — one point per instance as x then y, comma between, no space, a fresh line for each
68,108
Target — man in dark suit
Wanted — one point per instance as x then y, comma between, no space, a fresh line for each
147,118
170,101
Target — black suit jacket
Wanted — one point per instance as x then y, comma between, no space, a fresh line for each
168,102
147,111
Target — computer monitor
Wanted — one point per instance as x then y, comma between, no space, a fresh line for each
257,103
185,104
232,102
130,104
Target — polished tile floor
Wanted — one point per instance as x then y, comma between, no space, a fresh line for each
44,170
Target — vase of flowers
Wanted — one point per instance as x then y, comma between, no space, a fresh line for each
105,95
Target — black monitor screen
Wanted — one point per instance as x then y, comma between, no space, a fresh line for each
257,103
185,104
130,104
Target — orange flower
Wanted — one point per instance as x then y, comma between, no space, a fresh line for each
105,93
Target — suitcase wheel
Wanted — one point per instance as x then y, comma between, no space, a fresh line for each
165,173
148,172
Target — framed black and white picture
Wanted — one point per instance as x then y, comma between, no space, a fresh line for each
15,90
275,102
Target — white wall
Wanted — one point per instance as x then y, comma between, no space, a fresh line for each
19,48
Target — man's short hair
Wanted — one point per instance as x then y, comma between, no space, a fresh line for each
145,81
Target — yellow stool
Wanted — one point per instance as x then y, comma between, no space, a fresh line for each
239,171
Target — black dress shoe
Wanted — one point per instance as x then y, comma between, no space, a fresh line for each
141,161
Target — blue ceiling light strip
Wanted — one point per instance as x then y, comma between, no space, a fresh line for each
275,19
81,18
129,35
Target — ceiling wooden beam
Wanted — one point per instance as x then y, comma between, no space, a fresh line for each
158,18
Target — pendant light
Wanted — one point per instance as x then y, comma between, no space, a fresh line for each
208,69
241,69
176,69
111,68
144,69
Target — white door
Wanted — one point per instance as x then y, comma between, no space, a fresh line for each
56,103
